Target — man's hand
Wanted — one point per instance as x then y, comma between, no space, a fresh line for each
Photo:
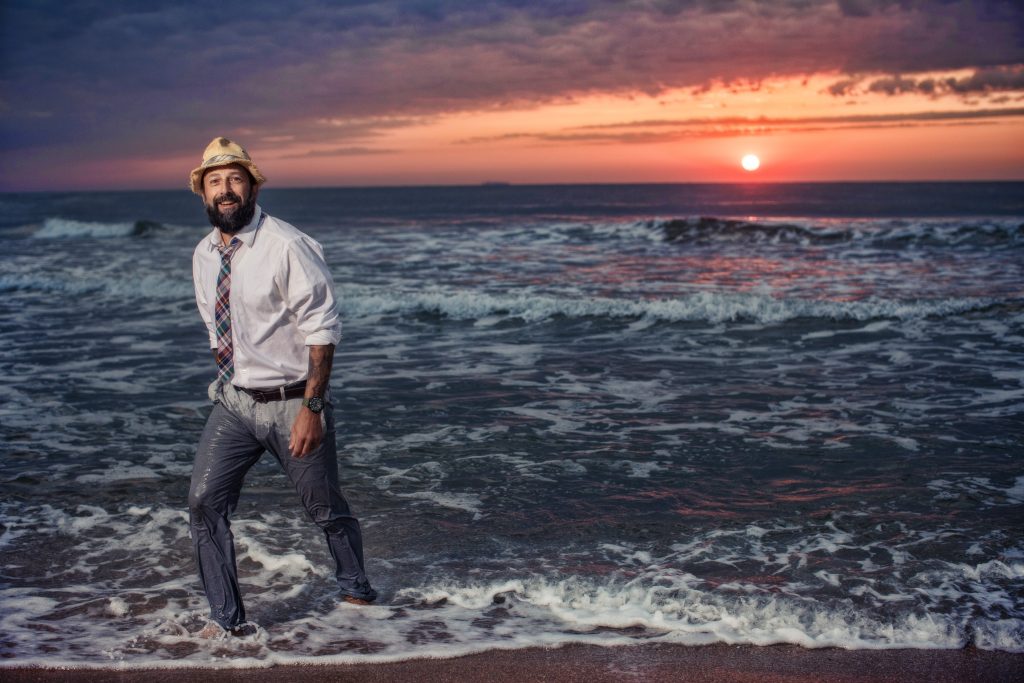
307,433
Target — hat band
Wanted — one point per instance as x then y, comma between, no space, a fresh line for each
224,157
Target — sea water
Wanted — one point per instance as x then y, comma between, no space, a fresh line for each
605,414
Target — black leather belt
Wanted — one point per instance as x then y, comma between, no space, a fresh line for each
281,393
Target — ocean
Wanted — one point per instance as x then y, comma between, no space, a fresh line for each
747,414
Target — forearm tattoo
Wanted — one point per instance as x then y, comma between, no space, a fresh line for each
321,359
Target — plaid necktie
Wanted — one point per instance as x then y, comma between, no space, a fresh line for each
222,312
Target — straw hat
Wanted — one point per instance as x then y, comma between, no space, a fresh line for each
223,152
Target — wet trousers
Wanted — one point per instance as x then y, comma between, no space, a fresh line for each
237,433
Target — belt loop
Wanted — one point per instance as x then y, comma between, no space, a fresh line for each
282,392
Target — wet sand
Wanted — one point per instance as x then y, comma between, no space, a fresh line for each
591,664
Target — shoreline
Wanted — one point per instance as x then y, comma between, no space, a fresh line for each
715,663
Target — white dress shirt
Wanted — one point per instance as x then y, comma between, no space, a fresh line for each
282,300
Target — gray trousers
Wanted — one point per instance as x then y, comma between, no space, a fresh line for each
237,433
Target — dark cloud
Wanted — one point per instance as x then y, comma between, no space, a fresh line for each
988,80
982,81
675,135
856,8
667,130
153,78
847,118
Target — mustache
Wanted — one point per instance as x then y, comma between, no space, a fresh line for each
228,196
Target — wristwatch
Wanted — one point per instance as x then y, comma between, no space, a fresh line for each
315,404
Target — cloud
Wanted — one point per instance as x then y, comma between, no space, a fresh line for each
846,118
333,136
982,81
340,152
668,130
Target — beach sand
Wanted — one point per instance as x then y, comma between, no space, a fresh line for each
591,664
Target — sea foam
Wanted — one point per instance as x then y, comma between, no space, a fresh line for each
58,228
709,307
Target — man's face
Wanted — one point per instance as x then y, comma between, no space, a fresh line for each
230,197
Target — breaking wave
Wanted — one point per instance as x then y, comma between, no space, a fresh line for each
704,306
64,228
889,232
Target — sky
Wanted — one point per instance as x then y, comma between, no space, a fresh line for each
126,95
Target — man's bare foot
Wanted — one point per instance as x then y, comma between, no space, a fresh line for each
212,630
352,600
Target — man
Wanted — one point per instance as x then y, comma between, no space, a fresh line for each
267,298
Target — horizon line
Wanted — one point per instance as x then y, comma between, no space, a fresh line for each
500,184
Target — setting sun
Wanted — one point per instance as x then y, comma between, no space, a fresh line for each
750,162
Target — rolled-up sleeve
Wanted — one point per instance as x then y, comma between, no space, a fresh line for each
310,292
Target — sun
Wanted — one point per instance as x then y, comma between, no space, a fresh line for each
750,162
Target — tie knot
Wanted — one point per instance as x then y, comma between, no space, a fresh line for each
227,251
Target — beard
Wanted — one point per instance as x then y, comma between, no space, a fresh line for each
232,221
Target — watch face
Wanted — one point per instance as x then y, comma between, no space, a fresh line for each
315,404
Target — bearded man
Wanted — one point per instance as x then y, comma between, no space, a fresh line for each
267,298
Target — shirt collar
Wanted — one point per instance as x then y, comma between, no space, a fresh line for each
247,234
